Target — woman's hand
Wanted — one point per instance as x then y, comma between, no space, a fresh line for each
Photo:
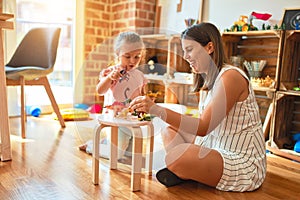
142,104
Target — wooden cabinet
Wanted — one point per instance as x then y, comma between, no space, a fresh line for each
281,49
285,123
256,46
290,74
286,114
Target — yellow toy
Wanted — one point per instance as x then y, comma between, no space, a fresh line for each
244,24
71,114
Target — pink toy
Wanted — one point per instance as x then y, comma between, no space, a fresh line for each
95,108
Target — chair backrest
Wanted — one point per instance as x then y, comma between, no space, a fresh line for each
38,48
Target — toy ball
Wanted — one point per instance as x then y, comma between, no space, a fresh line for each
96,108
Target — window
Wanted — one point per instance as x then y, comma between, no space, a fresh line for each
45,13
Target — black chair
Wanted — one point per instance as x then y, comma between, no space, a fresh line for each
32,61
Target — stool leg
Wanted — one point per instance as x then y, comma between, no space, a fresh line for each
114,147
149,150
136,159
95,159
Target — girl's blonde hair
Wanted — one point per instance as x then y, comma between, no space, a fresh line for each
128,37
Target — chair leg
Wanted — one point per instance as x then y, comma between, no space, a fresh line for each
23,112
53,101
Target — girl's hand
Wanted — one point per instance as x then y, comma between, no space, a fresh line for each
142,104
116,73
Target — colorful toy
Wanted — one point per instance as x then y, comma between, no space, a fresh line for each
245,23
95,108
71,114
296,137
297,147
81,106
34,111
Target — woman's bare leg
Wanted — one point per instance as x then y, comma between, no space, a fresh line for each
171,138
189,161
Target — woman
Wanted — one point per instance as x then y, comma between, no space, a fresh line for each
224,147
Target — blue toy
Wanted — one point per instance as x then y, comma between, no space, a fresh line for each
34,111
297,147
296,137
81,106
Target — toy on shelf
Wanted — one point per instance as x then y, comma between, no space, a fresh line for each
263,82
153,95
241,25
245,23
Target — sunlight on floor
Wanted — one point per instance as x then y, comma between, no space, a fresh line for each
20,139
36,95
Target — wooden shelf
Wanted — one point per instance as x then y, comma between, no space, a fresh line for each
263,89
6,16
253,33
289,92
282,152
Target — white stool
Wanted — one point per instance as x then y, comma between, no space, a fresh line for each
135,127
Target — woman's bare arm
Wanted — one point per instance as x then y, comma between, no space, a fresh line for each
231,88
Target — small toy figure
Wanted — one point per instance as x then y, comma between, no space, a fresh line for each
241,25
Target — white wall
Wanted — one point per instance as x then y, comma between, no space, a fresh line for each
172,21
223,13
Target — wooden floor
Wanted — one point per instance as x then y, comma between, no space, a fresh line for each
48,165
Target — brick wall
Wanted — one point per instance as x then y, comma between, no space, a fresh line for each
104,19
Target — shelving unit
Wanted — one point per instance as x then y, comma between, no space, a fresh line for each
255,46
290,75
168,52
286,114
281,49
